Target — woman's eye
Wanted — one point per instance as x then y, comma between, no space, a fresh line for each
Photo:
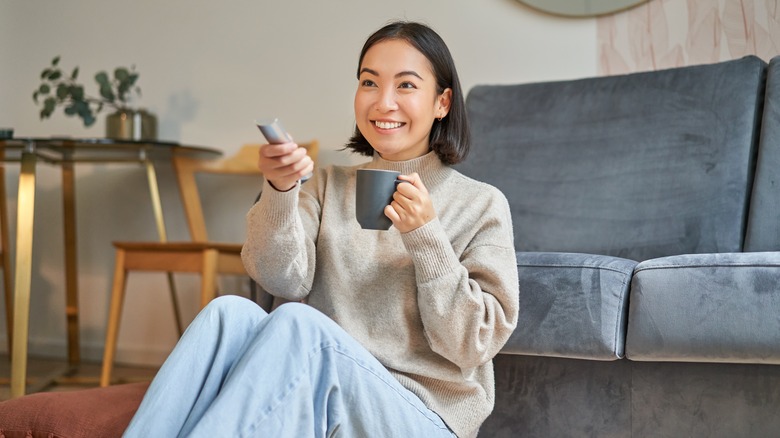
406,85
367,83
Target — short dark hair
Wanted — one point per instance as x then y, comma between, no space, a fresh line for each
450,137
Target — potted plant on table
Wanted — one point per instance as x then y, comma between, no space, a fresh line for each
58,89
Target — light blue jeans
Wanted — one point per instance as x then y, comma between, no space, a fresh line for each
240,372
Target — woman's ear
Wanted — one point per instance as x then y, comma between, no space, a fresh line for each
443,103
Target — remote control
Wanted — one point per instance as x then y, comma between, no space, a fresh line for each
273,131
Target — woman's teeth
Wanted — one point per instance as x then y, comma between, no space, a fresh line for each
388,125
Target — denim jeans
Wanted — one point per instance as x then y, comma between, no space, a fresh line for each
239,371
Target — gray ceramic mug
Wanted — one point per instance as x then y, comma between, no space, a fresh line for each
373,192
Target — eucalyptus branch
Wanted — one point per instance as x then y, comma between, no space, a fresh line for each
57,89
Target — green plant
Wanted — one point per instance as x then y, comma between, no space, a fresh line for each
58,89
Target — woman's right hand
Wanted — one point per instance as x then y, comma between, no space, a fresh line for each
284,164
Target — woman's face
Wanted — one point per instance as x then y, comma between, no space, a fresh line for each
396,100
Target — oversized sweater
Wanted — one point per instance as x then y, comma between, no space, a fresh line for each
433,305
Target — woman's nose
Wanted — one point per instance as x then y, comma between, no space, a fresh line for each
387,101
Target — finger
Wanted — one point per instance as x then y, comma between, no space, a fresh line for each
303,167
277,150
402,202
288,177
295,156
392,214
296,169
285,160
407,193
407,178
406,190
400,210
415,180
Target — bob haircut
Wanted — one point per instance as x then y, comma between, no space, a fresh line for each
450,137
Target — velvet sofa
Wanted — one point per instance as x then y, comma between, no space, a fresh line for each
646,214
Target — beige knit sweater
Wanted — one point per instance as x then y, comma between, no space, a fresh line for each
433,305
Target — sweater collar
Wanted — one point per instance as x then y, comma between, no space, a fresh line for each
430,168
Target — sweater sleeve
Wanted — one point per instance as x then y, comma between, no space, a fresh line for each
279,252
468,303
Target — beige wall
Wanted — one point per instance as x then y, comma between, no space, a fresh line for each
207,70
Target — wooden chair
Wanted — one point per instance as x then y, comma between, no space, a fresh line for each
210,259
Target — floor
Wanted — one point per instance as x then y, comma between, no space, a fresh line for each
85,376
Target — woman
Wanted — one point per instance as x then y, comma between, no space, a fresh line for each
401,325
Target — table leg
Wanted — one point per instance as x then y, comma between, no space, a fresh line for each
71,262
5,249
24,241
154,192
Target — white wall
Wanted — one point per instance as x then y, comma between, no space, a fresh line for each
207,70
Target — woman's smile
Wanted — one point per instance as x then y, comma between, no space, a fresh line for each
382,125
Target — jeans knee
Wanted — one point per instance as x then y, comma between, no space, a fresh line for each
303,314
227,302
294,310
231,307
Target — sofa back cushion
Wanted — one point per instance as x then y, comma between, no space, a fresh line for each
763,229
634,166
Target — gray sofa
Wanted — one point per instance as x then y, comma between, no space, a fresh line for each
646,212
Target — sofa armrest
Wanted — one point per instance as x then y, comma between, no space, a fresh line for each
706,308
571,305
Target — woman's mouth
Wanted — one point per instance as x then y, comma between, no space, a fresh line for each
387,125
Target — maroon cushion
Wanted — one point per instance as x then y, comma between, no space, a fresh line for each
96,412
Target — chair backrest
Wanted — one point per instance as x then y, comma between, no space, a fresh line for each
243,162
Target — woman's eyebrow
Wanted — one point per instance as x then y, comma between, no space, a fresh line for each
398,75
409,73
369,71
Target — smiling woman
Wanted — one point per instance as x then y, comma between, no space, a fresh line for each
401,324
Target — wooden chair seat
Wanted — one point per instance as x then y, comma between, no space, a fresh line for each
179,246
182,256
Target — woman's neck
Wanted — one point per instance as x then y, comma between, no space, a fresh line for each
429,167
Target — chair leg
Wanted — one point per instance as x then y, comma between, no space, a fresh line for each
8,291
175,304
208,277
114,317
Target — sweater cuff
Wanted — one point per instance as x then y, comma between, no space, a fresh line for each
431,251
278,207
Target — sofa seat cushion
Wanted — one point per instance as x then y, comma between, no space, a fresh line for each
571,305
706,308
93,413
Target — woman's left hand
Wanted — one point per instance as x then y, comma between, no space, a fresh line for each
411,207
